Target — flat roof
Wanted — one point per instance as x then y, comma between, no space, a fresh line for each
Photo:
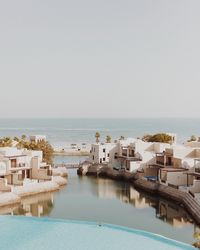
19,168
174,169
193,174
128,158
156,165
14,156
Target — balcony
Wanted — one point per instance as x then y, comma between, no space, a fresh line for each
20,166
197,170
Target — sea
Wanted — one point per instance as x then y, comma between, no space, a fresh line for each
63,132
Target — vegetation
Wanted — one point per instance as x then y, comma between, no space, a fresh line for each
192,138
6,142
43,146
160,137
16,139
23,142
23,137
146,137
122,137
108,139
97,136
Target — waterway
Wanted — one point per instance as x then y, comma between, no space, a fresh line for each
104,200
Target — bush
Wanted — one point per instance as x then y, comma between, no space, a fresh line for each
43,146
160,137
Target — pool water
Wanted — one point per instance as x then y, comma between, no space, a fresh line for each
22,233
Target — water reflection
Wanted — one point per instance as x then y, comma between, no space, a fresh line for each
166,211
173,214
37,205
79,190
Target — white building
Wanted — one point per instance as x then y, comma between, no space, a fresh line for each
16,165
135,154
178,166
100,152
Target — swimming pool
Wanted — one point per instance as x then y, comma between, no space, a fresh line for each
28,233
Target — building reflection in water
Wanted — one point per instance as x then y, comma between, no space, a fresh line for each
164,210
37,205
173,214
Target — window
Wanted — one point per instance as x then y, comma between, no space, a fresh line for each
104,150
108,155
104,159
93,157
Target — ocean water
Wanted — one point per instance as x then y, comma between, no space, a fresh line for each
62,132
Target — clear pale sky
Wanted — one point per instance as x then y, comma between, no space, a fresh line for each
105,58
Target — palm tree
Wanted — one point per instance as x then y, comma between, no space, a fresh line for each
97,135
108,139
23,137
192,138
16,139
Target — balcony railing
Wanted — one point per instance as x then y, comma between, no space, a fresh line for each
20,165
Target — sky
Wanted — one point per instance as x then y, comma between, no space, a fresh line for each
99,58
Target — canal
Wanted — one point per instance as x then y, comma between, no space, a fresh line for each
104,200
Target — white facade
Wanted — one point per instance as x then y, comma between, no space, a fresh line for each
100,152
16,165
135,154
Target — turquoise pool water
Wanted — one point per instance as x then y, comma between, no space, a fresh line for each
28,233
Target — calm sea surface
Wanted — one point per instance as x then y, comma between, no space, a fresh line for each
61,132
103,200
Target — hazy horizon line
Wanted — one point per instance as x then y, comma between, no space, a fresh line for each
105,118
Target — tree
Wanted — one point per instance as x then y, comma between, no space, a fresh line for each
146,137
16,139
23,137
6,142
97,135
108,139
43,146
160,137
47,150
192,138
122,137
